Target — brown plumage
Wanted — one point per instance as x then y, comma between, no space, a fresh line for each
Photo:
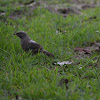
28,44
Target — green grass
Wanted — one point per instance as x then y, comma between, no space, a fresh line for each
34,77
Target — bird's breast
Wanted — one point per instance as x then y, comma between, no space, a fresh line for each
25,45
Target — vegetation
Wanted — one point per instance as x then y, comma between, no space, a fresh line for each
36,77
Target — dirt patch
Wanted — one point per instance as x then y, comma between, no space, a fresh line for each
27,8
63,9
15,14
72,9
95,47
83,53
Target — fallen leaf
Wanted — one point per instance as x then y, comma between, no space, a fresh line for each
87,51
2,14
82,50
63,63
97,31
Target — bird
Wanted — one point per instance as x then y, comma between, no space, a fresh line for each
28,44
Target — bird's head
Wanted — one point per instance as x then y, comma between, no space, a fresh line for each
21,34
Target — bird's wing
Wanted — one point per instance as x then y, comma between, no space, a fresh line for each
34,45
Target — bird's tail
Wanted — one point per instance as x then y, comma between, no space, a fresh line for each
48,53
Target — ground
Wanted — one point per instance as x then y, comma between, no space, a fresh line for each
70,30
